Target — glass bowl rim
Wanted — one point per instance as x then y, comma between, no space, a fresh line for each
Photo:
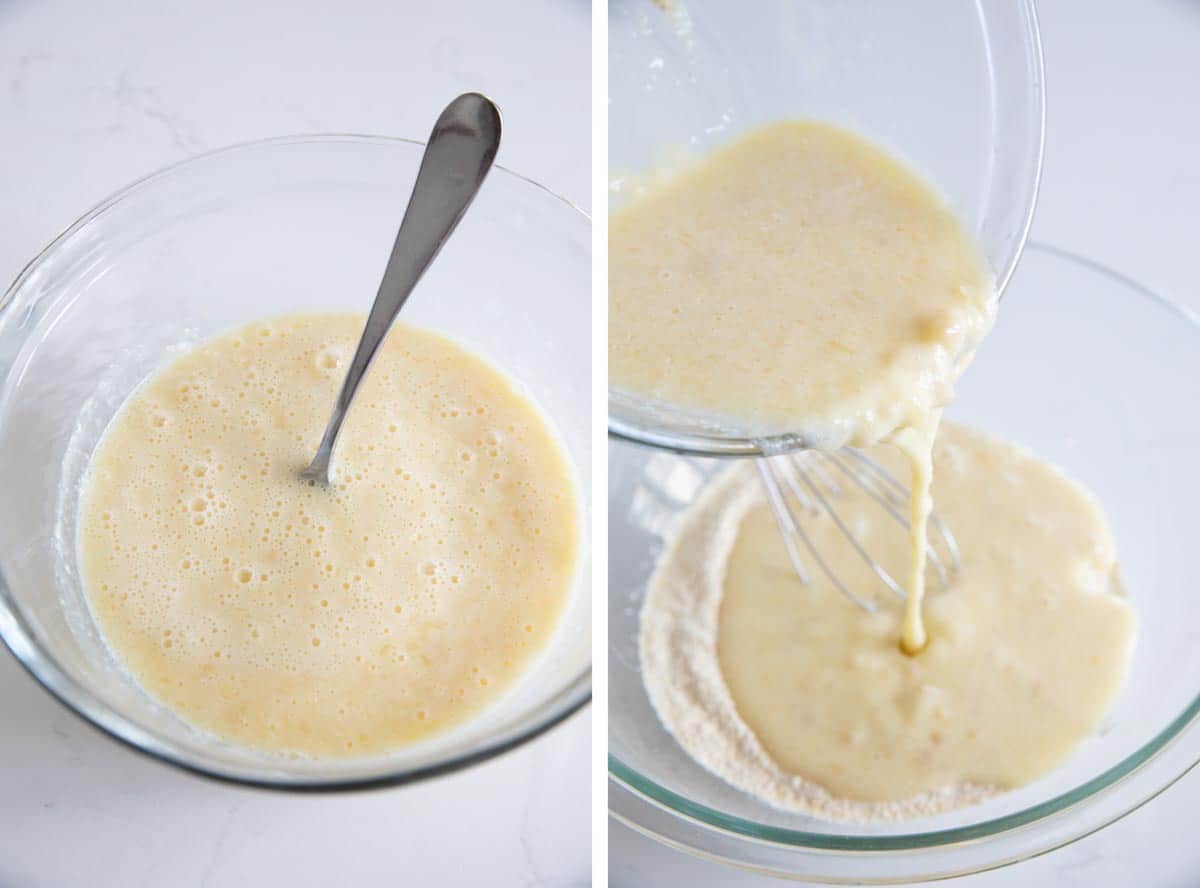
18,637
651,792
717,445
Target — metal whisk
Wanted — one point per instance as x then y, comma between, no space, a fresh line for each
813,480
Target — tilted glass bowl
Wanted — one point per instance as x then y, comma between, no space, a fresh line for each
956,89
252,231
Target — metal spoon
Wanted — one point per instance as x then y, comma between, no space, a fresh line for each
457,158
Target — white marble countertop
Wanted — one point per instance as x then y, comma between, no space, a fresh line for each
93,95
1121,185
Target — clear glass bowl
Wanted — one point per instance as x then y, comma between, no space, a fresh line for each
248,232
954,88
1092,372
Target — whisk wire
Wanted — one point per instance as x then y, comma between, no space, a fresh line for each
900,491
791,530
788,528
875,566
804,480
890,504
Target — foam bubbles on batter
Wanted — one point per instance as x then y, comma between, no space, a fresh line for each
346,620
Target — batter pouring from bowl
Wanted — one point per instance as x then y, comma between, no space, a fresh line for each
802,281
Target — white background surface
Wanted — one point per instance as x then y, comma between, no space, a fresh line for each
93,95
1121,185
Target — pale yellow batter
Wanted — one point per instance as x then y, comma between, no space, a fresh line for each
1026,651
798,280
801,280
347,621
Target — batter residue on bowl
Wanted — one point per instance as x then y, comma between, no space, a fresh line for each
347,621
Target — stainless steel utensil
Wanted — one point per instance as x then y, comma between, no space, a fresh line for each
809,483
457,159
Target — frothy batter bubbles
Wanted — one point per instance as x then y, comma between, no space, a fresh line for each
341,621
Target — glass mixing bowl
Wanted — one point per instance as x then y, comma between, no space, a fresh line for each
261,229
1092,372
954,88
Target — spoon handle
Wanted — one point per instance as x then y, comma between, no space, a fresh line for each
457,159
